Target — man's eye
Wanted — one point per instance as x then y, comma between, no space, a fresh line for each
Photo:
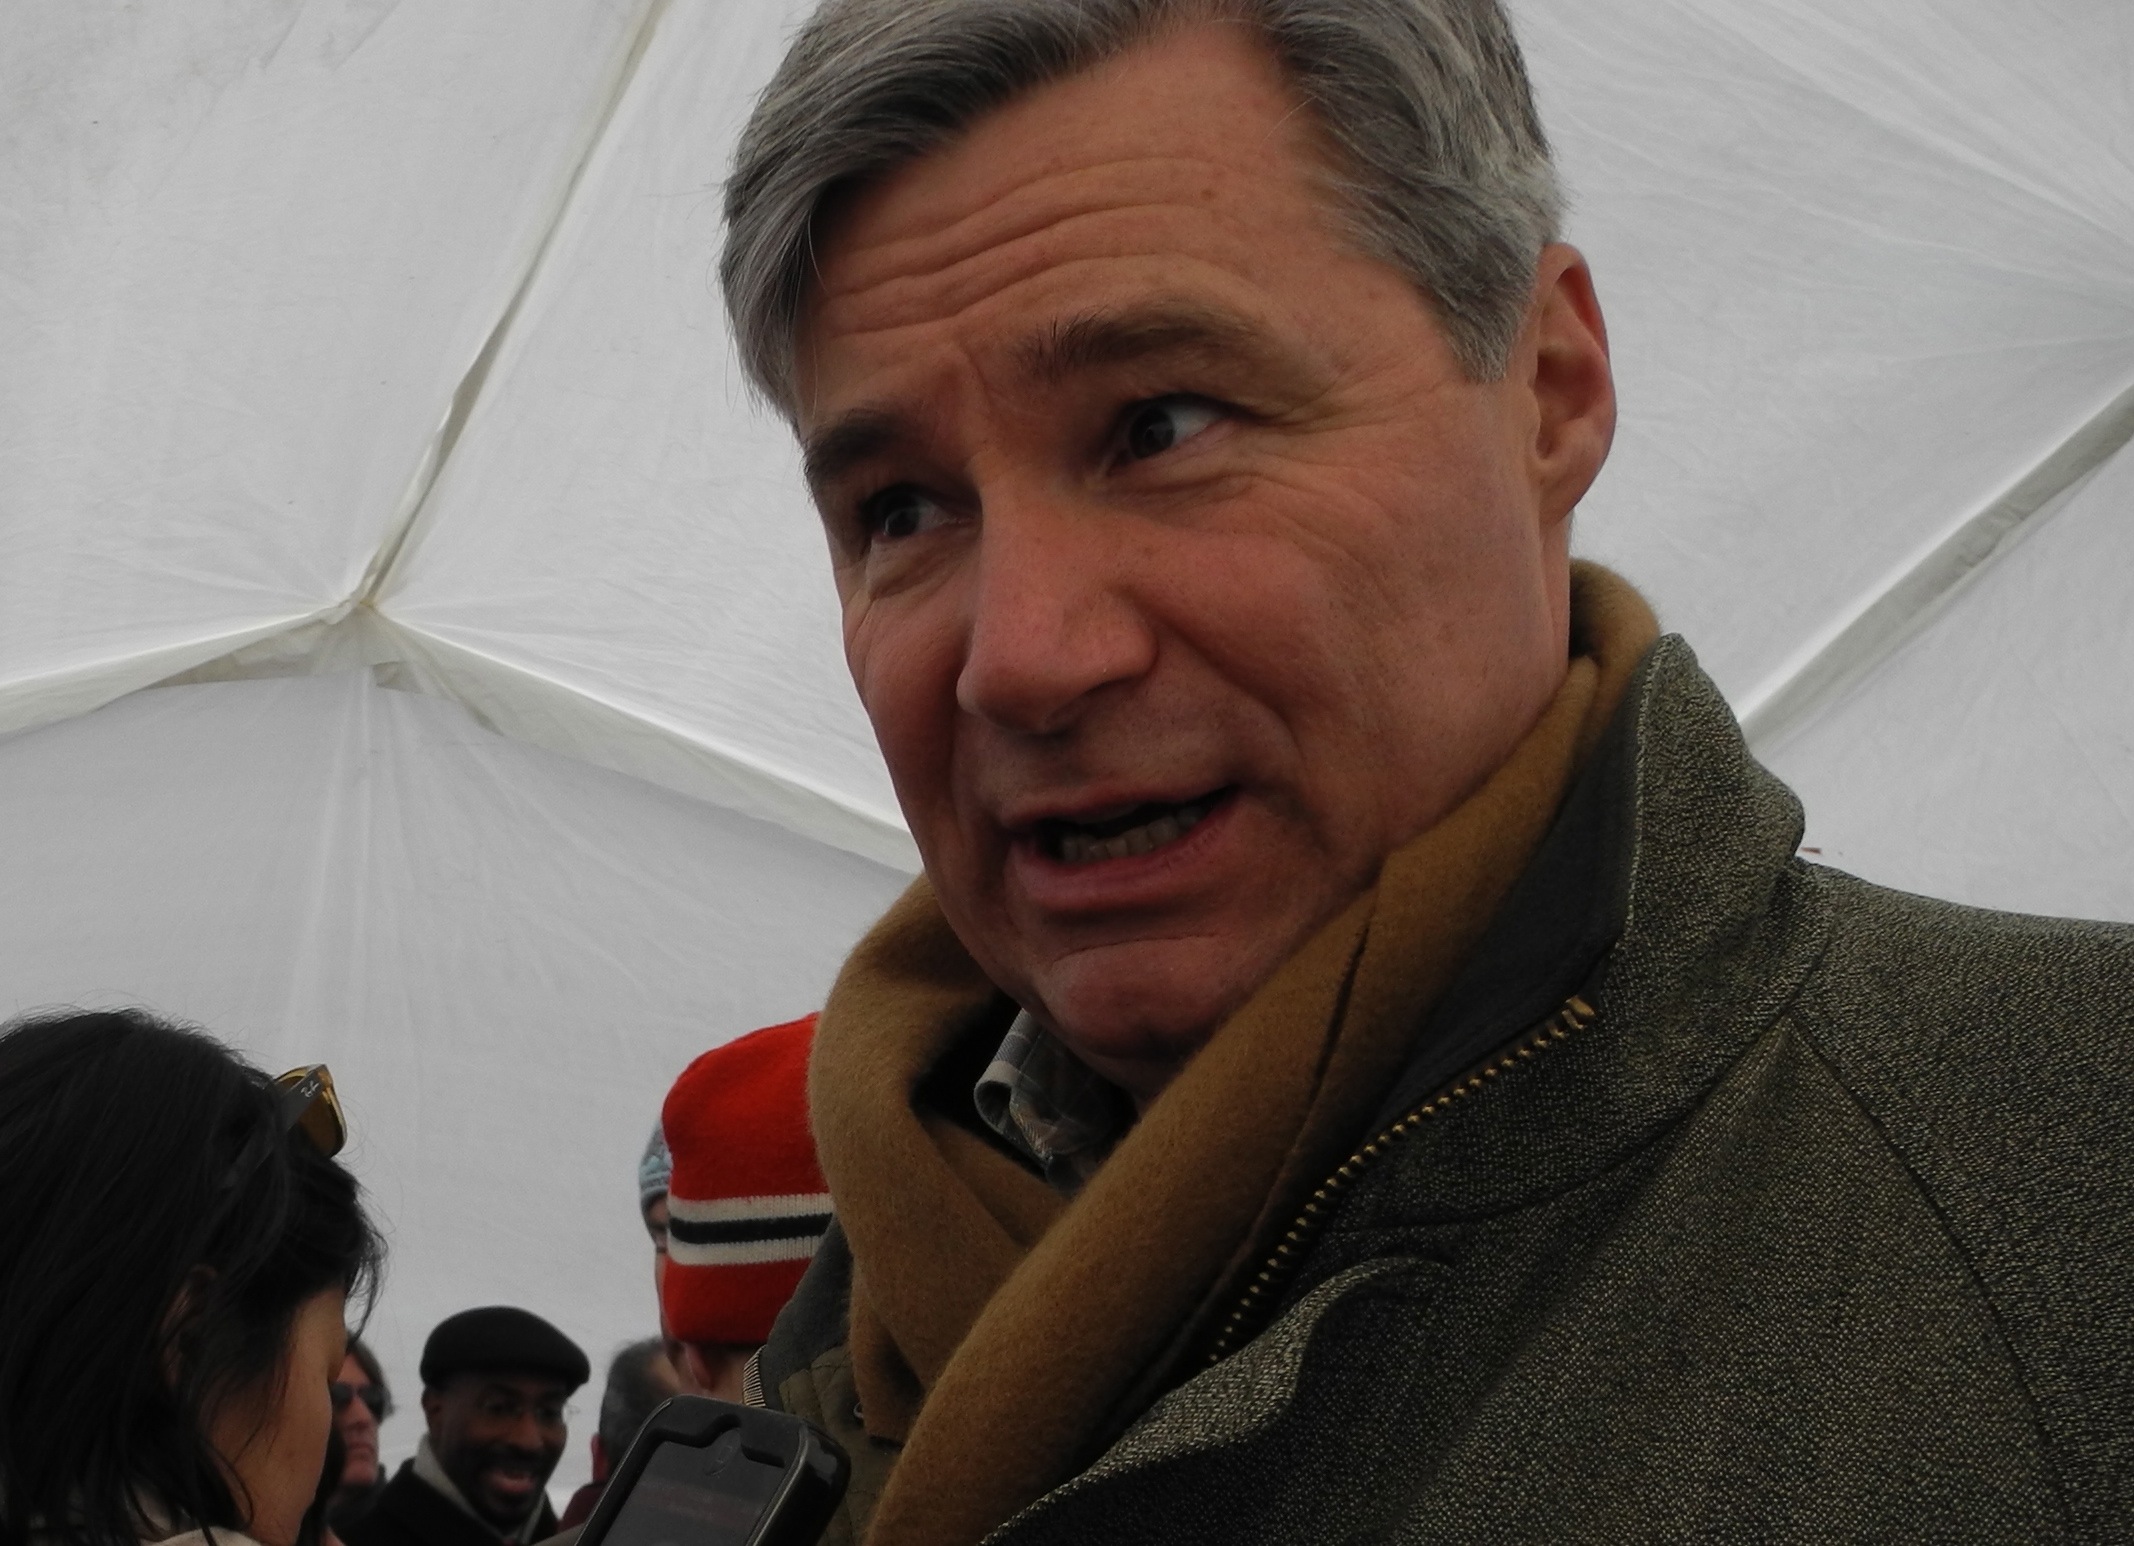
900,511
1154,427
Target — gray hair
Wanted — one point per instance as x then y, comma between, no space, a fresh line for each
1445,176
634,1391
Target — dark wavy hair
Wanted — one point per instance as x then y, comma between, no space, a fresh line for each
163,1229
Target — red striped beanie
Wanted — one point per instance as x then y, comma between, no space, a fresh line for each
746,1204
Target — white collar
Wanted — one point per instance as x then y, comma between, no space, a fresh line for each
431,1470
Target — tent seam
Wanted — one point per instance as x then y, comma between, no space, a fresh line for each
437,454
1920,588
884,830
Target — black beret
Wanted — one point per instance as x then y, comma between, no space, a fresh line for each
501,1340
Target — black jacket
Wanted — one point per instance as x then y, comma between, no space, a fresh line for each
343,1515
410,1512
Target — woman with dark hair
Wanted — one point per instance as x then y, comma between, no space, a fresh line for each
180,1251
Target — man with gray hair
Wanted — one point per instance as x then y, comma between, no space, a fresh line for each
640,1380
1364,1060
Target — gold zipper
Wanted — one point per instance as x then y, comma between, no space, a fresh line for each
1575,1014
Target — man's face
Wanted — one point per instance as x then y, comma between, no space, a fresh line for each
359,1428
656,1222
498,1436
1184,573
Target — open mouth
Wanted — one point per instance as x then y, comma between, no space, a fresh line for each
1140,830
512,1478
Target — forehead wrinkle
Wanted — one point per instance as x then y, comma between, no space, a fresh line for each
1159,329
931,240
1100,237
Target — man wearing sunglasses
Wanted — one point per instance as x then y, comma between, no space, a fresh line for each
361,1402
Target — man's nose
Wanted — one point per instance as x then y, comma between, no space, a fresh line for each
1052,620
526,1432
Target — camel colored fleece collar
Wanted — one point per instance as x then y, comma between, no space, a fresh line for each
1005,1334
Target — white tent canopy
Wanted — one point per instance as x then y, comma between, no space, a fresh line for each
416,651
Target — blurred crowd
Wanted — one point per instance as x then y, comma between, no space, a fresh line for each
180,1349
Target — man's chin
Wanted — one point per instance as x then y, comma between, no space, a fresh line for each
1138,1015
1136,999
505,1501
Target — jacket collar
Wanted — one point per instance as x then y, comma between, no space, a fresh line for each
1667,894
429,1471
1562,915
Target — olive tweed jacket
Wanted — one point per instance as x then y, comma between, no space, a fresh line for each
1727,1198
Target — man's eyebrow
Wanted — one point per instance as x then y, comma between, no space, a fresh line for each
1100,338
1089,341
833,450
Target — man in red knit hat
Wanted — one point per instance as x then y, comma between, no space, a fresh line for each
746,1203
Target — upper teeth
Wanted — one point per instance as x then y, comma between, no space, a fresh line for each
1082,848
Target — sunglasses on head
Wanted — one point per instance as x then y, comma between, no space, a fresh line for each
307,1101
372,1396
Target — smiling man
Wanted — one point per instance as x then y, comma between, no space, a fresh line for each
1364,1060
494,1385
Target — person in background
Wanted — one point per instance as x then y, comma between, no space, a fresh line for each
654,1166
640,1377
181,1251
746,1204
361,1402
494,1386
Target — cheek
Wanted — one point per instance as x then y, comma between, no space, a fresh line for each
904,657
1404,549
284,1478
315,1423
477,1432
1334,614
1271,611
311,1405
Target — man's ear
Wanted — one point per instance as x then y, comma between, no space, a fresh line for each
1563,358
433,1405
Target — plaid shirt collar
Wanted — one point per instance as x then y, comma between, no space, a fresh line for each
1050,1105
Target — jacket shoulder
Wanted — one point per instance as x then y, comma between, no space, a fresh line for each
410,1512
1994,1052
1998,1019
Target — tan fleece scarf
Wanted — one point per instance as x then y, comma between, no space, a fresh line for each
1005,1334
